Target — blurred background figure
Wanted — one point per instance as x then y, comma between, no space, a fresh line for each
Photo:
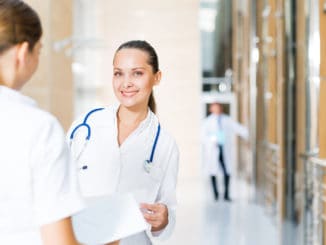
218,147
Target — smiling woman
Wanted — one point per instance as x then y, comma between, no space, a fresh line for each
133,77
133,81
129,152
147,62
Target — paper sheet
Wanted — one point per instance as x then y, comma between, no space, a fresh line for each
107,219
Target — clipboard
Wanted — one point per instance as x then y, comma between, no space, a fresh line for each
107,219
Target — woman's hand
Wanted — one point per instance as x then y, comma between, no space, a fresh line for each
113,243
59,232
156,215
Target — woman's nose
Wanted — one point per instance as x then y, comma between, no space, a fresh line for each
127,82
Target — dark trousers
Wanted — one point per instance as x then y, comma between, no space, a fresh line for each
225,174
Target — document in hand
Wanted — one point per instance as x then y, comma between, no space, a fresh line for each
107,219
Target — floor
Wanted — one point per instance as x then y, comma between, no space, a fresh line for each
203,221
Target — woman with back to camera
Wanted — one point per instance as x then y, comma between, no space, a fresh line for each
127,150
38,190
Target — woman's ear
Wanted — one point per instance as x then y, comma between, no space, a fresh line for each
158,77
22,53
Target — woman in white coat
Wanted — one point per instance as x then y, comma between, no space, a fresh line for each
128,151
218,134
38,184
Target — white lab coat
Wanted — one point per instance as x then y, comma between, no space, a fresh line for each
120,169
38,183
210,150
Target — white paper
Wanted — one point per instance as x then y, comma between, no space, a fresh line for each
107,219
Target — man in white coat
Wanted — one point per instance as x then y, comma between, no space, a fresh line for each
218,135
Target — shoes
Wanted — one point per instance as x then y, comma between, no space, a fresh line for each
216,197
226,184
227,199
214,185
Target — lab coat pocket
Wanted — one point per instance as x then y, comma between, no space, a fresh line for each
148,190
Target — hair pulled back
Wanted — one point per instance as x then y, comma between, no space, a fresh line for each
152,61
18,23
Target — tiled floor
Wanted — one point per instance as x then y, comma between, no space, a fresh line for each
202,221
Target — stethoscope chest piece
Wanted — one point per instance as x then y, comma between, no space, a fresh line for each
148,165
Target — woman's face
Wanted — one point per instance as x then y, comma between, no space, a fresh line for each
133,78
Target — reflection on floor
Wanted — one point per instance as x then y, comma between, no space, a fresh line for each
202,221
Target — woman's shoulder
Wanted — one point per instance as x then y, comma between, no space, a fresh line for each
42,122
168,140
38,118
164,133
169,151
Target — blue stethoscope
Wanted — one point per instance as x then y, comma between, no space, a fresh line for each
148,163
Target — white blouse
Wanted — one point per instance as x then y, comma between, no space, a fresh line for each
38,183
120,169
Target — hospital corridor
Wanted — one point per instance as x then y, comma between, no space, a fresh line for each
201,220
240,121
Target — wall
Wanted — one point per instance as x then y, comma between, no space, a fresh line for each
52,85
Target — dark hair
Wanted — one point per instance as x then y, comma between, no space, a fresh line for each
152,61
18,23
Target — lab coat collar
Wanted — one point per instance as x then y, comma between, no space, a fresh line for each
216,116
212,116
15,96
146,123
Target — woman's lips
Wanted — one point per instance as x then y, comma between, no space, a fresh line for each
128,93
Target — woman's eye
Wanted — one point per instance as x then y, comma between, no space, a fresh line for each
117,74
138,73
